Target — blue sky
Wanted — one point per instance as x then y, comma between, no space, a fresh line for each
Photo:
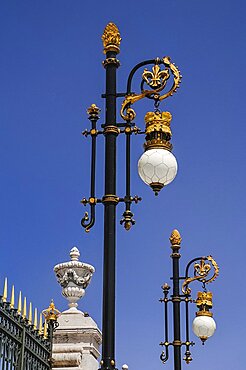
50,72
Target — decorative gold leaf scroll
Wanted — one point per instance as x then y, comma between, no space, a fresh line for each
157,80
202,273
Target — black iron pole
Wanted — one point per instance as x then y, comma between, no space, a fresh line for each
176,306
110,202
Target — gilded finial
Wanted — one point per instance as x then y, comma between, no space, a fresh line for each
12,301
111,38
19,304
5,290
30,314
51,313
175,238
24,309
35,322
93,110
40,329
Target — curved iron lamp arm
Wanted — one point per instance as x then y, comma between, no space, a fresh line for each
190,263
156,79
201,272
134,70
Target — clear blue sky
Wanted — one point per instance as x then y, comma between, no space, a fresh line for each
50,72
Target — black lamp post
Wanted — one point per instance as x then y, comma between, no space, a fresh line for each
157,166
205,270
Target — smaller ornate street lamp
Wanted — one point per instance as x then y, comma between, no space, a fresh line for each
205,270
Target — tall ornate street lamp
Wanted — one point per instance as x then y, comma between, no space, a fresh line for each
205,270
157,166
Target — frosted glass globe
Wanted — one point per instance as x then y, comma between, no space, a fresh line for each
157,167
204,327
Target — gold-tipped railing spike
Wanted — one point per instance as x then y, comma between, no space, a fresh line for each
40,329
35,322
19,304
12,301
30,314
24,309
45,334
5,290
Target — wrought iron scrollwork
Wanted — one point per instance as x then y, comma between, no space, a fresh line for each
88,222
165,354
202,272
156,80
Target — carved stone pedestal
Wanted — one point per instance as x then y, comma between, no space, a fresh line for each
76,342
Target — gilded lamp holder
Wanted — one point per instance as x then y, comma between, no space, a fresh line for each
157,130
204,303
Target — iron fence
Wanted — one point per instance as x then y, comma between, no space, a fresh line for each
23,346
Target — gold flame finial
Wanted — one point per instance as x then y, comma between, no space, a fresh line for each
40,328
30,314
111,38
19,304
12,301
175,238
35,322
24,309
5,290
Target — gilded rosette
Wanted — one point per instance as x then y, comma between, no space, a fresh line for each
111,38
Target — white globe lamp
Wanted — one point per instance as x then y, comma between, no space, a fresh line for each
157,166
203,327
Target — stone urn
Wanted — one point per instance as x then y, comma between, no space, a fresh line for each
74,277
